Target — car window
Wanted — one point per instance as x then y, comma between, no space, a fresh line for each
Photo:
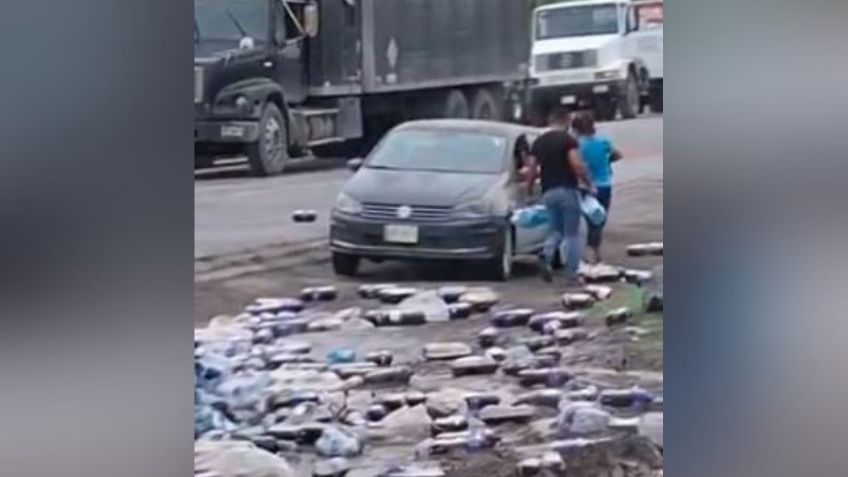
440,150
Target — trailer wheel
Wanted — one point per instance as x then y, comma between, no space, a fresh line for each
485,106
268,155
456,106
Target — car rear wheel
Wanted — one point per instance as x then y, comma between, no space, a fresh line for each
344,264
500,267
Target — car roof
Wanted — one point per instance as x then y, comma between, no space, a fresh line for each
470,125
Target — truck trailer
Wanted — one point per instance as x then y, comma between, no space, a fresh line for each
280,79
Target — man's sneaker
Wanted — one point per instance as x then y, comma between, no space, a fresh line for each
546,271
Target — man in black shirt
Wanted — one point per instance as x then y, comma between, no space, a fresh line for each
555,156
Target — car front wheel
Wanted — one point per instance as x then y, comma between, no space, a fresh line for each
499,267
344,264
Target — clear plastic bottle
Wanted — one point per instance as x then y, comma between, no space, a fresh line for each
476,431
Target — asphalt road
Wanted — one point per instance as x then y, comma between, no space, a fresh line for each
235,213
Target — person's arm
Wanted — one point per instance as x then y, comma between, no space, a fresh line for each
531,172
615,155
576,163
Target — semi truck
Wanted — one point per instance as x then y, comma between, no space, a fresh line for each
276,80
604,55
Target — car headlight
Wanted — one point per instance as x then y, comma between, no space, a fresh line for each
608,74
472,210
348,205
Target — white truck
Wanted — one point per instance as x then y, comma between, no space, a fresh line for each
600,54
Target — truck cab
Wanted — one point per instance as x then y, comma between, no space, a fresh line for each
251,82
586,54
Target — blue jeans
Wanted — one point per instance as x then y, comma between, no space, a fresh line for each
563,205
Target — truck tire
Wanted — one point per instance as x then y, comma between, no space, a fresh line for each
657,100
605,109
269,154
499,268
629,99
486,106
456,106
344,264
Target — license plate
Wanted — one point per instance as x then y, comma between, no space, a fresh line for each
601,88
232,131
401,233
568,100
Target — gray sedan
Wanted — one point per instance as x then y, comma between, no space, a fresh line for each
437,189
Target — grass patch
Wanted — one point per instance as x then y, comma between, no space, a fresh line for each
647,353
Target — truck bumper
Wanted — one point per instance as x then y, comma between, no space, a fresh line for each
225,131
477,239
576,94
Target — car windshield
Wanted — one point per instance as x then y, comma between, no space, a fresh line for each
230,20
441,151
577,21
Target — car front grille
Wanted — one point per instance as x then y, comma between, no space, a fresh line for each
565,61
420,213
198,84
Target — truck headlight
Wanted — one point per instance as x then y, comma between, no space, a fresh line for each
608,74
242,104
473,210
348,205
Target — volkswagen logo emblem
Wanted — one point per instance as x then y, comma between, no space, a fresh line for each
404,212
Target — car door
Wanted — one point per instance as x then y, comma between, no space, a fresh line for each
527,239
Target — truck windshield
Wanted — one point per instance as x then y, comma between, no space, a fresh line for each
230,20
577,21
440,151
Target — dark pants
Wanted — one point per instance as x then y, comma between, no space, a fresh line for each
595,234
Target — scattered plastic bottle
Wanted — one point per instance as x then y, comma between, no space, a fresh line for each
341,355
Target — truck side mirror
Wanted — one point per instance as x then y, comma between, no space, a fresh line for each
355,164
310,20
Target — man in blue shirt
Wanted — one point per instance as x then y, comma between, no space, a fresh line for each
598,154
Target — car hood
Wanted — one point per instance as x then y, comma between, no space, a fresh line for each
437,189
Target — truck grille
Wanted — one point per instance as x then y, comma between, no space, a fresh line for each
565,61
420,213
198,84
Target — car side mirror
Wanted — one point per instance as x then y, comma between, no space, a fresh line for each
355,164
